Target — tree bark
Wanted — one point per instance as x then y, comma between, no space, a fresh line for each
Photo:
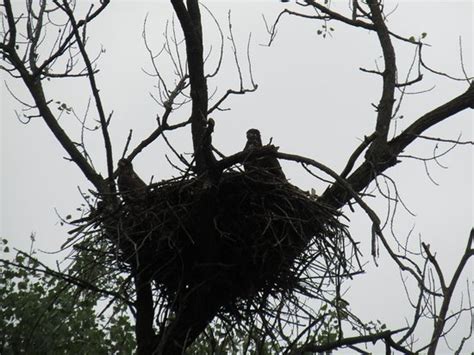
337,196
190,20
144,333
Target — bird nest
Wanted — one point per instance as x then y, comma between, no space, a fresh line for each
248,236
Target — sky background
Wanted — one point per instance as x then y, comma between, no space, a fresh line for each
312,100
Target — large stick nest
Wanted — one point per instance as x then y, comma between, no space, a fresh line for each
248,235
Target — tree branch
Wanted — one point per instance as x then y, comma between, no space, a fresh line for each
190,20
337,196
387,100
76,281
337,16
457,104
355,155
347,341
153,136
145,335
11,25
95,92
440,320
36,91
67,41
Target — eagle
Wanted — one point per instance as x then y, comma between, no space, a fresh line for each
130,185
269,166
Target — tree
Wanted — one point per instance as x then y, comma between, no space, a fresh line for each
183,243
41,313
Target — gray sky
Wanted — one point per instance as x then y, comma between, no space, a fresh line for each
312,99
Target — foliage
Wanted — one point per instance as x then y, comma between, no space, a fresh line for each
41,313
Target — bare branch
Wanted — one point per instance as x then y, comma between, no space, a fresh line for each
449,109
221,36
336,16
66,43
164,121
361,178
234,50
385,106
355,155
37,93
242,89
385,335
11,26
444,140
95,92
226,95
440,73
448,293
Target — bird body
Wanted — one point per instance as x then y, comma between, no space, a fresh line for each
254,140
130,185
266,164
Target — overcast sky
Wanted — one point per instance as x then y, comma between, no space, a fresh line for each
312,99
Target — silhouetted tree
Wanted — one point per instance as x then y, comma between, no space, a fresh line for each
218,243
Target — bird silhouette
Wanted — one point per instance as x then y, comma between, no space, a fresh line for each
130,185
266,165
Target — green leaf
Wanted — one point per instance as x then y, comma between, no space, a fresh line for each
423,35
19,259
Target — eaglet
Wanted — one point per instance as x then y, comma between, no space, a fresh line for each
269,166
130,185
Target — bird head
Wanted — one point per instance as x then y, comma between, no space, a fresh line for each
253,135
124,164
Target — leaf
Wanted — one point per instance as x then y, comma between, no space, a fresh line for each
424,34
412,38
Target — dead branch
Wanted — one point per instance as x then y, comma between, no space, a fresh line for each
95,92
448,291
385,336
